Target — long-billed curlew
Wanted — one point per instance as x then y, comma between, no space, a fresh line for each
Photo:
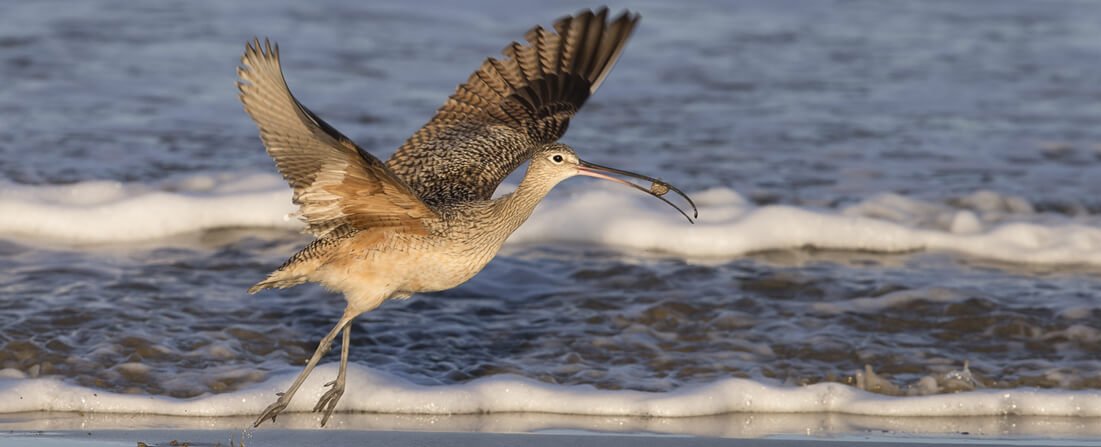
426,221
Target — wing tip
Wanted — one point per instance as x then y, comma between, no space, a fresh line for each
254,49
259,65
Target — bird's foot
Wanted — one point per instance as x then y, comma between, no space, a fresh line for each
328,401
273,410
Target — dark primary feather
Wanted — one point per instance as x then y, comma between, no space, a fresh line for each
493,122
335,183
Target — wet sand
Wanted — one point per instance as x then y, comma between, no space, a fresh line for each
56,429
338,438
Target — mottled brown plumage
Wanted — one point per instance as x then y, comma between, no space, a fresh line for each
508,108
425,221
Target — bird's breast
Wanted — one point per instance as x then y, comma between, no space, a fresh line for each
448,267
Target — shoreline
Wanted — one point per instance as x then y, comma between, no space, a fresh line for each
96,429
362,438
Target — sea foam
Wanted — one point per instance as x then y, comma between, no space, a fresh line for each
731,226
104,212
376,392
986,225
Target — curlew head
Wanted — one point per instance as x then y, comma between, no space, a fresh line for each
556,162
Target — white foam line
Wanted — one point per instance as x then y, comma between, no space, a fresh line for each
105,212
730,227
149,216
109,212
372,391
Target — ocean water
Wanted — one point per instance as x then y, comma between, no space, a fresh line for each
898,214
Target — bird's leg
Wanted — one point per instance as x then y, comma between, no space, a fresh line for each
330,398
322,348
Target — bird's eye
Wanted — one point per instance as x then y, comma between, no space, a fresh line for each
557,158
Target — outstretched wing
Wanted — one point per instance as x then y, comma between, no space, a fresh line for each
494,121
335,182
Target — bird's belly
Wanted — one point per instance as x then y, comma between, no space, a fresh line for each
445,270
369,277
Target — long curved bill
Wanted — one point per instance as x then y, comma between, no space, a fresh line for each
657,189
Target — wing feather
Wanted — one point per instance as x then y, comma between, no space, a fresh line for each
335,182
508,107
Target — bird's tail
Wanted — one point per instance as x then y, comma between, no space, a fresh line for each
292,273
277,280
303,264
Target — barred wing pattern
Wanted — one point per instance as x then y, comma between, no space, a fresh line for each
335,182
493,122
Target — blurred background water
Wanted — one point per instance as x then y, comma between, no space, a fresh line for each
990,107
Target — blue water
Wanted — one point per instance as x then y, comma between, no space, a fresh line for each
816,105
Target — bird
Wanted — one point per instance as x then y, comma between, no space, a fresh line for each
426,220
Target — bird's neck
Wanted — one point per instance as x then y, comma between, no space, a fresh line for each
514,208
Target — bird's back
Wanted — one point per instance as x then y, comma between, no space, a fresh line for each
509,107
